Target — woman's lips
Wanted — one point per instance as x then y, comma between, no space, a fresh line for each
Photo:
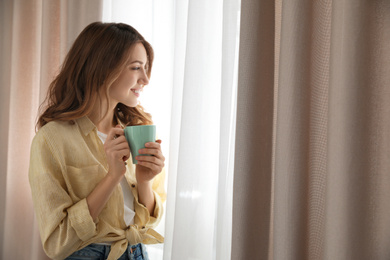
136,92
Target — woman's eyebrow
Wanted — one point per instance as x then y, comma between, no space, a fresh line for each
136,61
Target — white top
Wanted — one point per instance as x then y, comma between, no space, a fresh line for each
127,194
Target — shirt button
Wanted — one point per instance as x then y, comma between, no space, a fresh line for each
133,185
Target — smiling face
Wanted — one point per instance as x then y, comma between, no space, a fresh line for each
127,87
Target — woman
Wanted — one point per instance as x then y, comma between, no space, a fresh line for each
91,202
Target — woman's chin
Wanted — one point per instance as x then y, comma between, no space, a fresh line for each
131,104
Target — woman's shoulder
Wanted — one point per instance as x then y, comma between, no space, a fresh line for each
55,130
62,140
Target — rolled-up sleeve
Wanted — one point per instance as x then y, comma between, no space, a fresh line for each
143,218
160,197
81,220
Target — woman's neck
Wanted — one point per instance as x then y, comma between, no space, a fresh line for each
104,124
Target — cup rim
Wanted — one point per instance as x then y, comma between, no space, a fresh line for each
139,126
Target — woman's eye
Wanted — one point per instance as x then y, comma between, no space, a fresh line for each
136,68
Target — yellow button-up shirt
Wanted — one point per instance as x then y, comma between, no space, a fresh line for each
67,162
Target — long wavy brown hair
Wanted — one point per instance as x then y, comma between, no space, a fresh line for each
94,61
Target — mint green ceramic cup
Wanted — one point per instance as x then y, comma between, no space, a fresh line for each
137,136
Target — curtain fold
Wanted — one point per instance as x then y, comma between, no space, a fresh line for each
23,51
202,130
301,129
230,48
199,138
330,167
180,42
253,153
359,127
35,38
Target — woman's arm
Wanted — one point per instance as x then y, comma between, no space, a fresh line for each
146,170
117,151
64,224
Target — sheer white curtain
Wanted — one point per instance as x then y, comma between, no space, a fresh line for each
192,98
202,133
155,21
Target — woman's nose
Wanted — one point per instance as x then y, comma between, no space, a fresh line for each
144,80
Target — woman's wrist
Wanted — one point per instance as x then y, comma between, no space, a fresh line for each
145,185
98,198
146,195
113,178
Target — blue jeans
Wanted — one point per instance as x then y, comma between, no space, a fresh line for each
100,252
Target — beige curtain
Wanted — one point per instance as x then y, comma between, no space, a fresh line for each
312,167
35,36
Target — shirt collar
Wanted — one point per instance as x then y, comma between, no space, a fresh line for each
85,125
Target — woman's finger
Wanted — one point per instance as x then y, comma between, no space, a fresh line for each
151,159
117,144
122,153
153,167
153,144
115,133
154,152
119,140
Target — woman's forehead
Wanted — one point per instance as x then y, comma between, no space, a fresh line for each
137,53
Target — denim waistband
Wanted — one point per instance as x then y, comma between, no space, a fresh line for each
101,251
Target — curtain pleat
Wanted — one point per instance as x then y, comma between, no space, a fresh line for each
5,57
253,155
202,130
357,216
24,55
330,154
32,48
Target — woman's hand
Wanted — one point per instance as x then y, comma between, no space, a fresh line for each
149,166
117,152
